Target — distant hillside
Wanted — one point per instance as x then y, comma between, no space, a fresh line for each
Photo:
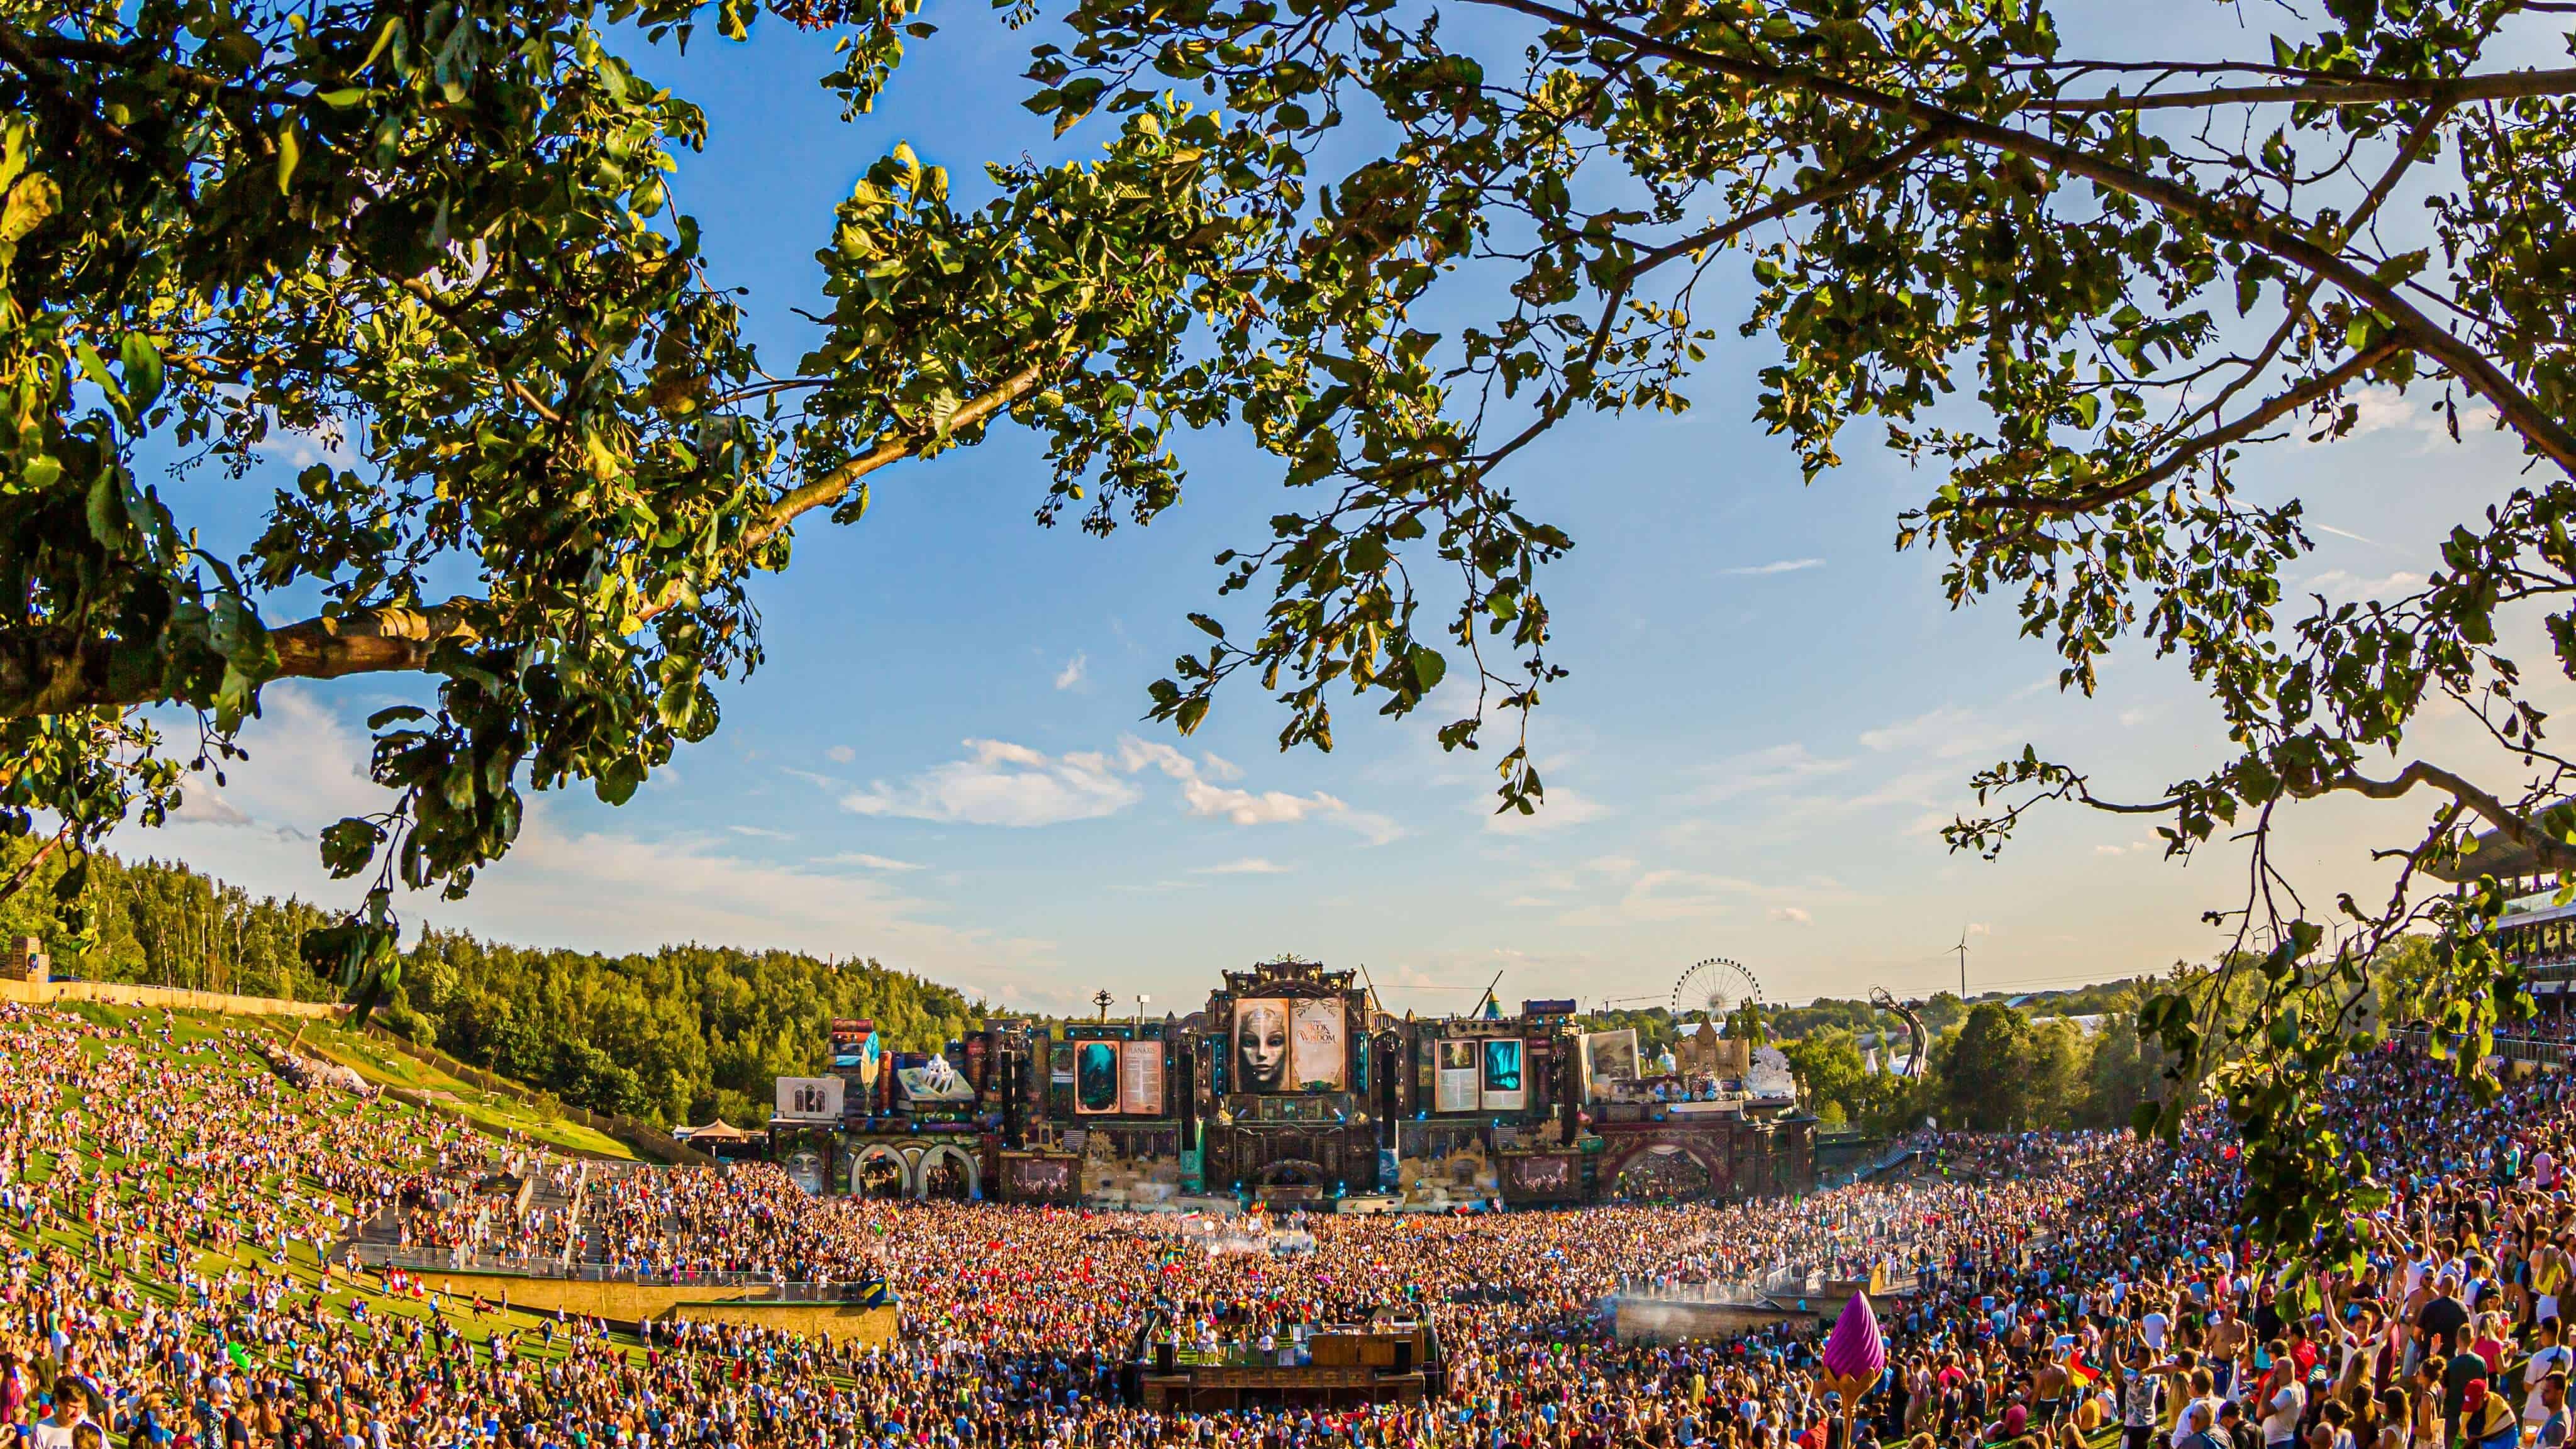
1656,1026
680,1034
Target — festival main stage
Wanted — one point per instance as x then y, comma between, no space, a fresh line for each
1292,1089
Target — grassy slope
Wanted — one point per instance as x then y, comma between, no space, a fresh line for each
298,1265
494,1111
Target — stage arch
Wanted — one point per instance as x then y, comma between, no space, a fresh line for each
878,1171
967,1174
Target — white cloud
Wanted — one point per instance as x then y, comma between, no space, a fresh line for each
575,878
1248,865
2385,409
2338,585
1793,915
1000,783
760,832
1073,672
1006,784
299,449
1778,766
1943,733
1246,807
1776,566
1676,895
840,754
1610,864
865,861
201,803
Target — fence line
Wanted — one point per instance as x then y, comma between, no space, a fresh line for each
537,1266
2511,1048
176,998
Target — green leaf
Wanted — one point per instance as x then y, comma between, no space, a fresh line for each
1428,668
31,201
290,150
349,845
142,362
107,518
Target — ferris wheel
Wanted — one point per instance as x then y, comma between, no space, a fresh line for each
1717,986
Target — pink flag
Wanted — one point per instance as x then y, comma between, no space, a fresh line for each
1854,1349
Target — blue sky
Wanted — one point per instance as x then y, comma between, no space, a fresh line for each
943,764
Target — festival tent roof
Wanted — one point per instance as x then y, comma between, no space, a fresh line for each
718,1131
2497,856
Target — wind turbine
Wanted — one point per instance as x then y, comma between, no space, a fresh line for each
1962,949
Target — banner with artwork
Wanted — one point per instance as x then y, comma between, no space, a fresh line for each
1140,1078
856,1049
1608,1056
935,1080
1503,1089
1454,1077
809,1099
1095,1078
1321,1058
1284,1044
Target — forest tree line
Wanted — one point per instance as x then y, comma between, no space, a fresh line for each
684,1033
2058,1060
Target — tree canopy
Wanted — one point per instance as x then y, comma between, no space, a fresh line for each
2081,291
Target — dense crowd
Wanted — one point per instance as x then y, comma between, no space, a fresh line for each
176,1273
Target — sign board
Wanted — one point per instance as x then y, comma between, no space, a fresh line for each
1454,1085
1504,1089
1608,1056
1140,1078
810,1099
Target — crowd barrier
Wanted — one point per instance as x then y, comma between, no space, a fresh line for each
763,1289
2534,1050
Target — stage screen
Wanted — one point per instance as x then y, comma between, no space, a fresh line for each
1454,1077
1284,1044
1045,1177
1547,1175
1503,1089
1095,1078
1608,1056
1140,1078
809,1099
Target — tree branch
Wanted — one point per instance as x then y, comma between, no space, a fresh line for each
2277,407
833,486
2473,368
47,669
1833,188
2365,91
2508,822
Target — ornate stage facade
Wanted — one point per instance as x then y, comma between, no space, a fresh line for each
1291,1088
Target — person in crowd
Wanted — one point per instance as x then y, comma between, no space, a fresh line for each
242,1267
